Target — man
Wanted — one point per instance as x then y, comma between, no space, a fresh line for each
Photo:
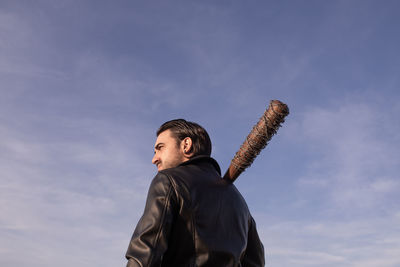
192,217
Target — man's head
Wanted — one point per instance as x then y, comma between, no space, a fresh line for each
178,141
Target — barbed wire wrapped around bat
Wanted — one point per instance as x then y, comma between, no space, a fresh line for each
260,135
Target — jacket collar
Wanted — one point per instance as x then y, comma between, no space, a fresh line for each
202,158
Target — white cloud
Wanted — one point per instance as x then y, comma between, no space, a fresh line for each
76,114
61,195
358,163
348,194
329,243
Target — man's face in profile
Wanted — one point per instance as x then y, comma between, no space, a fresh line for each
167,152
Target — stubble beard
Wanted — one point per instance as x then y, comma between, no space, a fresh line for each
171,163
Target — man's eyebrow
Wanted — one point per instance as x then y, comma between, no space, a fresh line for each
157,147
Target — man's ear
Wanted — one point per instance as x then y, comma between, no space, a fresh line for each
187,146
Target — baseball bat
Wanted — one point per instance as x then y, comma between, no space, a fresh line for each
257,139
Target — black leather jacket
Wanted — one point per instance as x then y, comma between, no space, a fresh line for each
195,218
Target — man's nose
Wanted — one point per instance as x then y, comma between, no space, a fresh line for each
155,159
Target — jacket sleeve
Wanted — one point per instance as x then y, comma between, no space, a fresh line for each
150,238
254,255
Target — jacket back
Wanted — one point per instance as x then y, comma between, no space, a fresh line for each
195,218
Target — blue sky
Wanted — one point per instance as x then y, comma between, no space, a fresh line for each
85,84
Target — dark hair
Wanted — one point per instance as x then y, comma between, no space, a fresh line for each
181,129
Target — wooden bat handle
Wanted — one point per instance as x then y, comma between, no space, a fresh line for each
257,139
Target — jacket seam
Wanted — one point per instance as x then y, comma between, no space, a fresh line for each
140,264
168,196
192,223
194,240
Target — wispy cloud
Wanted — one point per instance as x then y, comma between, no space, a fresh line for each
84,86
348,194
60,195
371,242
358,163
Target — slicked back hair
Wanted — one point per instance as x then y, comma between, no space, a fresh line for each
180,129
